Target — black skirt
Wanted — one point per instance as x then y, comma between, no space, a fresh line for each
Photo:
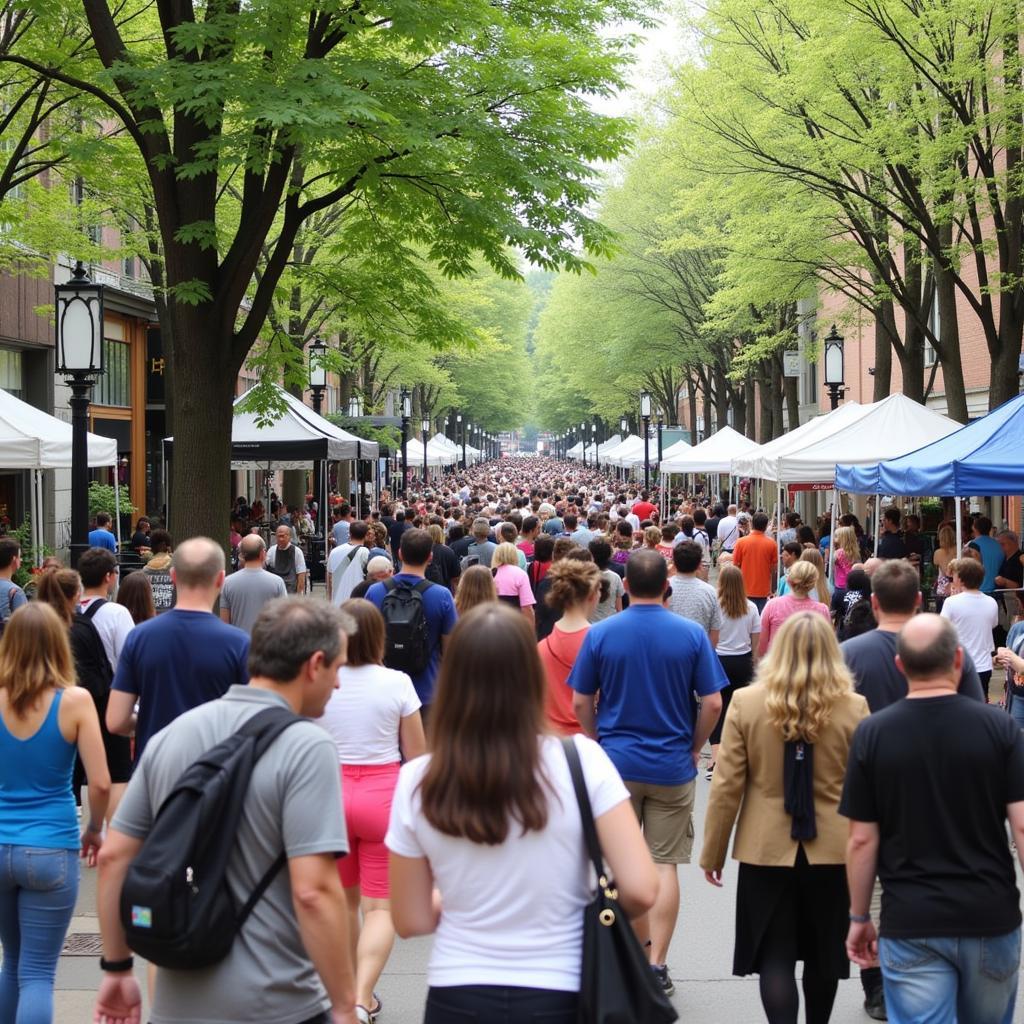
790,914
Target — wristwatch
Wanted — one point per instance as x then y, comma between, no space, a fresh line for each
117,966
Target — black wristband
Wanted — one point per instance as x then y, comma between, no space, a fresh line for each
117,966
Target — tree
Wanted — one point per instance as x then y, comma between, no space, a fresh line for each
463,128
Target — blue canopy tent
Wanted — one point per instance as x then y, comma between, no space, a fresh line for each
983,457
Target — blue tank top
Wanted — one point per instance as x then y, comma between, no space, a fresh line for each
37,807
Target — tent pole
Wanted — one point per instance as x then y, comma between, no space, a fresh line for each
34,516
117,505
832,535
778,536
878,501
959,526
40,505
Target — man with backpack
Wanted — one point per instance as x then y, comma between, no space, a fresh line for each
12,597
418,615
346,564
274,862
113,622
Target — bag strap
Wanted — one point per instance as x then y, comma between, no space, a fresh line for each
422,586
93,608
593,845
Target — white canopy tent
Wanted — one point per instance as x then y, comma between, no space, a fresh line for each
606,447
712,455
33,440
677,450
630,453
447,444
437,455
576,451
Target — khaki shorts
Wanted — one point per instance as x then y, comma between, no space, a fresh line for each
665,814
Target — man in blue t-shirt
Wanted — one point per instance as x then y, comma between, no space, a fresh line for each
101,537
417,550
180,659
991,553
647,663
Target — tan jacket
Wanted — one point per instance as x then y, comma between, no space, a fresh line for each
749,771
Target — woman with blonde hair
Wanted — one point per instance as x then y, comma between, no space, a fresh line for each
803,578
44,721
575,589
476,586
847,554
652,538
511,583
780,769
741,624
943,555
823,590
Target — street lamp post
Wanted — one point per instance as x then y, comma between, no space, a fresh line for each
834,366
645,415
79,309
583,438
317,366
661,427
461,428
406,414
425,425
597,454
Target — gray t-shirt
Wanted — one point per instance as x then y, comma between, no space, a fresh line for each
695,600
293,803
12,597
246,592
615,591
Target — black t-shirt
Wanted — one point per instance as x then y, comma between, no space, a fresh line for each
1013,569
140,539
461,546
936,774
890,545
444,566
871,657
395,532
712,527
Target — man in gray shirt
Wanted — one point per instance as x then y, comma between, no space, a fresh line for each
287,963
691,597
246,592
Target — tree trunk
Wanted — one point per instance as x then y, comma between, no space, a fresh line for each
764,393
749,409
885,331
949,333
774,371
721,399
1004,382
691,390
200,500
792,389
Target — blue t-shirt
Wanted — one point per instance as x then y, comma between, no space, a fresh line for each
176,662
439,607
992,558
102,539
12,597
647,662
339,531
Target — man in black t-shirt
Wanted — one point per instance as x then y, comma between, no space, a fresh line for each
935,834
890,543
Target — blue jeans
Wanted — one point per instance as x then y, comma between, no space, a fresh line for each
498,1004
38,888
1017,709
943,981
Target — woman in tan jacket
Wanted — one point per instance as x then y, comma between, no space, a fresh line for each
780,768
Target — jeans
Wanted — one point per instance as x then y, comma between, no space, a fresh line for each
759,603
1017,709
38,888
496,1004
942,981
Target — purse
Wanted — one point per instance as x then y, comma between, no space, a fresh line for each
617,985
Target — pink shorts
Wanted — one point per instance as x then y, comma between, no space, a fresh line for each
367,791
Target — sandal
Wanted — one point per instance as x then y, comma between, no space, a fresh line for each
369,1016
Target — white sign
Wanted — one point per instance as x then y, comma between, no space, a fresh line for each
791,364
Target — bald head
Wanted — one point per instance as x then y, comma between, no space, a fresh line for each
873,564
928,651
251,548
198,563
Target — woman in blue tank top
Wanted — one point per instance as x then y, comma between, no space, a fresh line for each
44,720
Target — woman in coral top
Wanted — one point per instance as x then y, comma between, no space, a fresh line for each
803,578
575,590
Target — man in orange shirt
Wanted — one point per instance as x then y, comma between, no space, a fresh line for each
757,557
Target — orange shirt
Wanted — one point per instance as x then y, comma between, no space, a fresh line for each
558,654
756,556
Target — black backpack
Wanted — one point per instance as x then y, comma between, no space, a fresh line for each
407,635
176,907
92,666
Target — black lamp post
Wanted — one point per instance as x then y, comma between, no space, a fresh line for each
461,428
406,414
624,428
834,366
79,308
597,454
661,427
425,426
645,415
583,438
317,365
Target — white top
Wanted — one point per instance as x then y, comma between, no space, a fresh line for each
728,532
300,559
975,615
513,914
734,634
346,573
113,622
364,713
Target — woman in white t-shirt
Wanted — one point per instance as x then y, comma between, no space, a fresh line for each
737,645
489,819
374,718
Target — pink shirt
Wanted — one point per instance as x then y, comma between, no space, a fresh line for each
511,581
778,609
842,569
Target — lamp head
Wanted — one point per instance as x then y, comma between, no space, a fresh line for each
79,309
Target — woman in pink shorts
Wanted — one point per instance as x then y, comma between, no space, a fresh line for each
374,718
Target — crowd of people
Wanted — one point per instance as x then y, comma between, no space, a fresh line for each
469,630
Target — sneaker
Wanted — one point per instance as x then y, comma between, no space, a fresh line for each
874,1006
661,973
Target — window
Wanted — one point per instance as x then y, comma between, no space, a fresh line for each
128,267
935,325
10,372
114,386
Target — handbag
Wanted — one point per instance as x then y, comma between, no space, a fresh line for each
617,985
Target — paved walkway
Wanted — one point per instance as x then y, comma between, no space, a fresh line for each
700,961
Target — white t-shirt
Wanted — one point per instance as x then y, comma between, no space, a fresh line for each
364,713
113,622
734,634
728,532
513,914
975,615
346,572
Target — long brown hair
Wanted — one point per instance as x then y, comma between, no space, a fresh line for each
484,767
366,645
136,594
476,587
732,594
34,655
59,588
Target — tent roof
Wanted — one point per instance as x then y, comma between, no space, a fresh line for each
983,457
679,448
629,453
437,455
713,455
33,439
295,440
575,451
606,446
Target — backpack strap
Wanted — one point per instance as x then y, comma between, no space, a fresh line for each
423,586
94,607
389,584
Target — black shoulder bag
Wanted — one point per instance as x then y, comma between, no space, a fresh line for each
617,985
